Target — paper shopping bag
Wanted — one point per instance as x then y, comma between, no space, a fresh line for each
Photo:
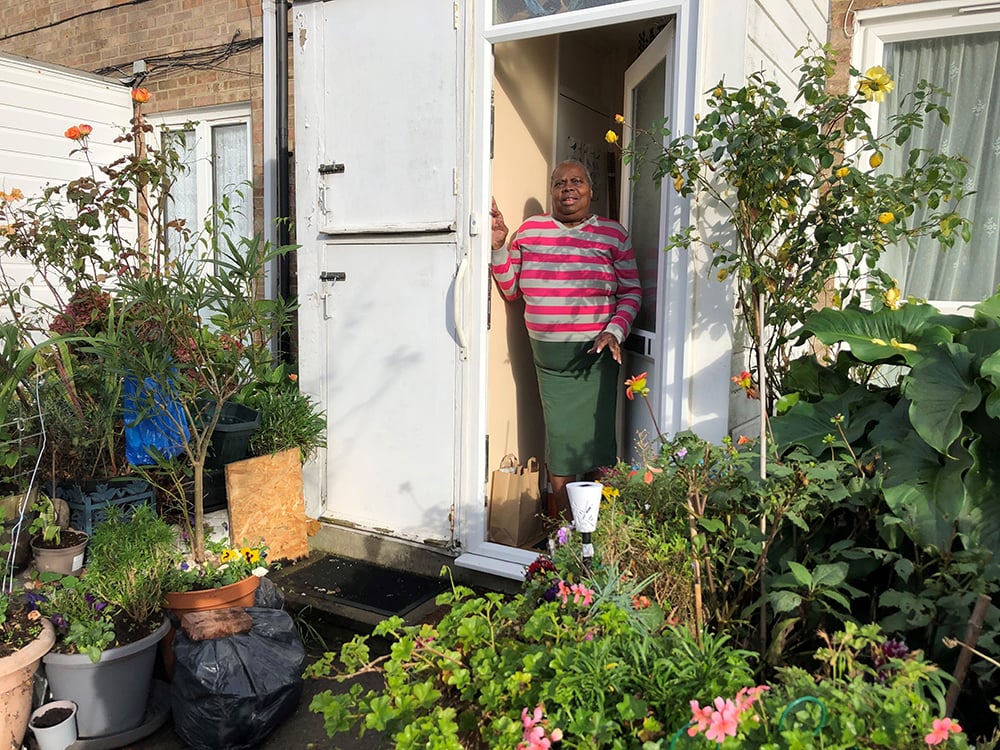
515,512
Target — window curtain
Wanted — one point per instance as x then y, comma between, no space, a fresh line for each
968,67
182,202
230,179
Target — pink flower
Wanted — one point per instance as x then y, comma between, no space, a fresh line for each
940,730
700,718
582,595
534,737
748,696
529,720
724,722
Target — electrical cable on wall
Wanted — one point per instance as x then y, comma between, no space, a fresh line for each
75,16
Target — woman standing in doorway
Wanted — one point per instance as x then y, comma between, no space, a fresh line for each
577,274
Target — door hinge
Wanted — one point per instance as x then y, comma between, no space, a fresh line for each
455,17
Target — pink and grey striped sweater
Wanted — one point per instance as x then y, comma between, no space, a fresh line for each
576,281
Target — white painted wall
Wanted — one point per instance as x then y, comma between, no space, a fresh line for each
736,39
38,102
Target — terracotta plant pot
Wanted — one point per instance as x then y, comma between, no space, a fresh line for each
66,560
239,594
17,673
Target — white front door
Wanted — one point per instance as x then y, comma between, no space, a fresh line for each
378,123
392,368
648,95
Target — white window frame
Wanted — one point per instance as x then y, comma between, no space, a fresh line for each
202,121
877,27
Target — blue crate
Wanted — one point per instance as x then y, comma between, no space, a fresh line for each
89,502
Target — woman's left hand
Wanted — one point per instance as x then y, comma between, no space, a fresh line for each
606,340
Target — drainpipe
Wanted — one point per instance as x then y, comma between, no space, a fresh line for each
276,156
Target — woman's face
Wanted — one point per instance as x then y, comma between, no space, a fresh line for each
571,193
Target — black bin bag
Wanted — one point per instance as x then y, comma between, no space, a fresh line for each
231,693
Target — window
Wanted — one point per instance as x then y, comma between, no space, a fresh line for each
214,147
956,47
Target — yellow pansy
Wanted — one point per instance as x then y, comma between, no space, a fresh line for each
875,84
611,136
228,555
252,556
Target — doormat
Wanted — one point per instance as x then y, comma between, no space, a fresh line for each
359,584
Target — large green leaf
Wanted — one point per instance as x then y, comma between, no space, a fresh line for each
990,371
988,309
980,522
982,342
941,387
807,424
882,336
924,490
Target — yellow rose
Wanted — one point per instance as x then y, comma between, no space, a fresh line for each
678,182
611,137
875,84
619,118
875,160
843,172
718,91
886,217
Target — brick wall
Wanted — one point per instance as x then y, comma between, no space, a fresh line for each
841,41
199,52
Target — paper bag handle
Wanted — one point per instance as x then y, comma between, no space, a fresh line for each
508,463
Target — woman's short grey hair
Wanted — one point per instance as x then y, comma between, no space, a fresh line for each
575,162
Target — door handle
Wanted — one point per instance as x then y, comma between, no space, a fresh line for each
457,297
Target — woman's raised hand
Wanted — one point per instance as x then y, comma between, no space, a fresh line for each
498,227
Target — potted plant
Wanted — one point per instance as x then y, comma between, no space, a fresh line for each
20,430
25,637
54,725
292,429
228,577
56,549
289,418
109,622
212,332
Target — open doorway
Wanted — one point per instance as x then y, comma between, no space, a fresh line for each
554,98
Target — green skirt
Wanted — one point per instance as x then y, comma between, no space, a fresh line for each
579,401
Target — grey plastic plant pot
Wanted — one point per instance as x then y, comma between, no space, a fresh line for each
113,693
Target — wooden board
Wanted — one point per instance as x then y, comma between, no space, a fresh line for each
266,501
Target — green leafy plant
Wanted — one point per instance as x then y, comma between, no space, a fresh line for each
588,662
809,217
119,597
130,557
289,418
224,564
913,392
212,333
45,525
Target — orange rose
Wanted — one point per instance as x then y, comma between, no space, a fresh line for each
85,130
140,95
73,133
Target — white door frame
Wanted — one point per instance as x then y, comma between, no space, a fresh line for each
479,554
